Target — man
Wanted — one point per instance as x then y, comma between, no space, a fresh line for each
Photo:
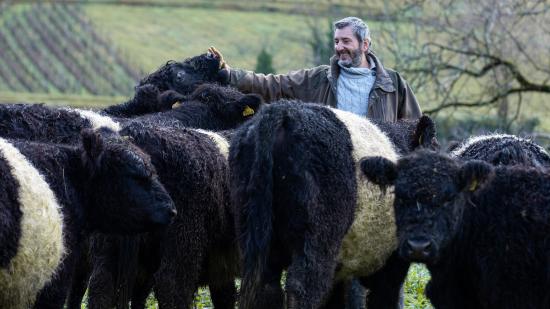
354,81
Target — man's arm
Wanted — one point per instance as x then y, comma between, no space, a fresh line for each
274,86
296,84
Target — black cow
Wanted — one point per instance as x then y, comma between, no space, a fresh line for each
105,185
481,230
502,149
45,123
210,107
181,77
300,207
181,271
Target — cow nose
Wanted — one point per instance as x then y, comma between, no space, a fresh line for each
419,248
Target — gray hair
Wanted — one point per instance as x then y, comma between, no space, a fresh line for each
358,26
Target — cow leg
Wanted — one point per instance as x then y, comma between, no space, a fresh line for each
101,288
223,294
271,295
178,276
175,287
337,297
140,292
356,295
310,274
149,263
80,281
385,285
54,294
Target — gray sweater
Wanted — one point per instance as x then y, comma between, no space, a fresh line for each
353,88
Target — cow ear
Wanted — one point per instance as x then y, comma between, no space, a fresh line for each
379,170
93,146
474,174
425,135
249,104
170,99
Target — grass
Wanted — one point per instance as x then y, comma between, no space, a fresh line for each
415,284
176,33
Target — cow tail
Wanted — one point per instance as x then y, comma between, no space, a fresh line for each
256,203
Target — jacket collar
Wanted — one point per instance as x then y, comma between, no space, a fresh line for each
383,80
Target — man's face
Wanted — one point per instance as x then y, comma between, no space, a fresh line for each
348,49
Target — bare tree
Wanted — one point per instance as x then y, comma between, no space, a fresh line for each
471,53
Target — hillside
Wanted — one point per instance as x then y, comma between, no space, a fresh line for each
53,48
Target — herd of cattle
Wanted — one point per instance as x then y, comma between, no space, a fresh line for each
193,183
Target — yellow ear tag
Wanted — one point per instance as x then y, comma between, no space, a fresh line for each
176,105
473,185
248,111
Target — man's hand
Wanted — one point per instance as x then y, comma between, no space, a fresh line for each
216,53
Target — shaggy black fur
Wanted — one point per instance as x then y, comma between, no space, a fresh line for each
107,185
481,230
47,124
408,135
504,150
10,214
198,248
210,107
182,77
293,183
225,107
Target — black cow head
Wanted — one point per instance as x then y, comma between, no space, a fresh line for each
124,193
184,77
431,193
221,107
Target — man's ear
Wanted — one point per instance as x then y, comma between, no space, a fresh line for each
366,45
249,104
474,174
425,135
379,170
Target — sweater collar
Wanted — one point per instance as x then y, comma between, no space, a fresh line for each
382,81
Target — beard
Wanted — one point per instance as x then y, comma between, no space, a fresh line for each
355,56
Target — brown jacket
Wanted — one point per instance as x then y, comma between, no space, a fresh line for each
391,97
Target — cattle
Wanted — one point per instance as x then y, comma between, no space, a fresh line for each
502,149
182,271
180,77
51,123
38,122
54,194
299,206
209,107
481,230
